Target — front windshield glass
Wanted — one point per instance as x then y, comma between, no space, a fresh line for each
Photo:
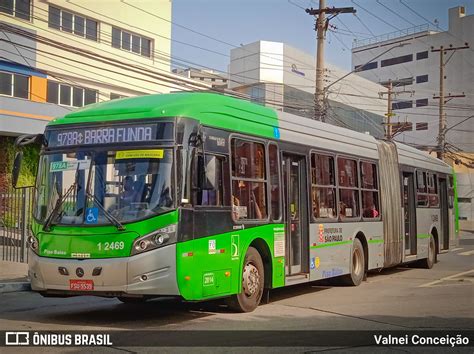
127,185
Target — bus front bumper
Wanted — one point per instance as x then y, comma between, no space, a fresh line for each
149,273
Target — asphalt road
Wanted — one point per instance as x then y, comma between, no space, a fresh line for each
402,298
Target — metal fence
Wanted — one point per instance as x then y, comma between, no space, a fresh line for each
15,224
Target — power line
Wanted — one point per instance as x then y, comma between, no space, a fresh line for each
377,17
395,13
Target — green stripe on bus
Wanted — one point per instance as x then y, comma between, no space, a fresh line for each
423,235
331,244
375,241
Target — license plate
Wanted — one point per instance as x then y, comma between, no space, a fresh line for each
81,285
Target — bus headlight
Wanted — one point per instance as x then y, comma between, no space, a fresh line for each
33,244
156,239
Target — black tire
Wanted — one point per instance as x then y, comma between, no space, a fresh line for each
132,300
357,273
428,263
253,280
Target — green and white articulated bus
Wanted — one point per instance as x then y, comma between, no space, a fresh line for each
200,196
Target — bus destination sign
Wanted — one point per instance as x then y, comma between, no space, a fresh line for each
114,134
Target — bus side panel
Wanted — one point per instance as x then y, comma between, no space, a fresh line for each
331,247
426,220
211,266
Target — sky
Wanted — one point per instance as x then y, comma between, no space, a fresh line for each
237,22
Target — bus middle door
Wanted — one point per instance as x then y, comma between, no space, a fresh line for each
295,194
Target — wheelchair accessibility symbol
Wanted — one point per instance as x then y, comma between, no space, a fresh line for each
92,215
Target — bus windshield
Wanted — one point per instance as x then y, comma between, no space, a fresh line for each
95,185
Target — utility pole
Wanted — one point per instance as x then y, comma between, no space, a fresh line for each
442,99
321,27
389,85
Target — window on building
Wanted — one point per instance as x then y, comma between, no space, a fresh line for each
18,8
323,186
348,188
14,85
422,102
402,127
249,184
422,126
72,23
421,78
70,95
368,66
397,60
114,96
421,55
402,104
369,190
131,42
421,189
432,185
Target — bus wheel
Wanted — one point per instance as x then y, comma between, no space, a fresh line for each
252,284
132,300
431,260
357,265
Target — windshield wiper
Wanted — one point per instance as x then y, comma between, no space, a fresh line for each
59,202
107,214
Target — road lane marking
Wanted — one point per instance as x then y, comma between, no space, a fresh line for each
445,278
467,253
457,249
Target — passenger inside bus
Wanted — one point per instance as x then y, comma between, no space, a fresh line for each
128,194
248,204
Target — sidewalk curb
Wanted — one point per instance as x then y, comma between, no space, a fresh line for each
10,287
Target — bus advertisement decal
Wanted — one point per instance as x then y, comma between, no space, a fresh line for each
212,247
279,242
140,154
234,244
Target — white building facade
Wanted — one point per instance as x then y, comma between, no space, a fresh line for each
416,105
283,77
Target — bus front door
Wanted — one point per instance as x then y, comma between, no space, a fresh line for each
409,210
296,216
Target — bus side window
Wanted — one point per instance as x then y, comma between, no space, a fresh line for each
433,190
370,190
348,188
212,166
451,192
421,189
323,186
249,183
274,182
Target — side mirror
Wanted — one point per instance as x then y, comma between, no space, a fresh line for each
17,181
16,168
